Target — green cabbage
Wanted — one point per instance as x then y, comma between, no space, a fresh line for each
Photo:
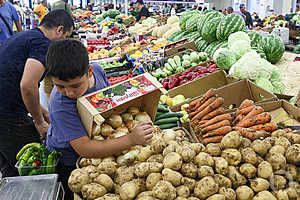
240,35
203,56
186,63
224,58
265,83
240,47
194,57
279,87
186,57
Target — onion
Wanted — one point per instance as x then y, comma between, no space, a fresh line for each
131,124
106,130
96,130
115,121
142,117
117,134
126,117
133,110
123,129
99,138
169,134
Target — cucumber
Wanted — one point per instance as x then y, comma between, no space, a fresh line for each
166,126
166,121
162,108
168,115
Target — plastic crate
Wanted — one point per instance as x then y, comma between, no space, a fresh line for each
28,170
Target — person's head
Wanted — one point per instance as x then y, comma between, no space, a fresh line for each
58,24
242,8
204,9
67,64
297,8
214,8
229,10
44,2
139,4
200,8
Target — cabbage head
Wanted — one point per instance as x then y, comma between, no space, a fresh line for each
240,35
278,87
240,47
265,84
224,58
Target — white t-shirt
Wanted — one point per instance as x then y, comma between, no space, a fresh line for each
173,12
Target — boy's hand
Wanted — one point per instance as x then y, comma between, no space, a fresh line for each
45,114
42,128
142,133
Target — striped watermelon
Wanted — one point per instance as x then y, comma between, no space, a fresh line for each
208,11
230,24
195,35
180,36
185,16
201,44
207,17
174,35
255,37
212,47
191,23
273,47
210,28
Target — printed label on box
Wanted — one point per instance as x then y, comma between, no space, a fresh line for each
121,93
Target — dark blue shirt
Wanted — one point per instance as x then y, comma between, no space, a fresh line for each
65,122
13,56
10,14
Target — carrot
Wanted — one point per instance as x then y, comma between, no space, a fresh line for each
244,111
219,131
212,114
254,112
217,103
215,139
238,119
201,100
217,119
202,122
269,127
201,107
216,126
250,133
246,103
257,119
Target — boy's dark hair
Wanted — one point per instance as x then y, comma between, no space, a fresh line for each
57,18
66,60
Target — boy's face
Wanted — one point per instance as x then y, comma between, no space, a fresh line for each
76,87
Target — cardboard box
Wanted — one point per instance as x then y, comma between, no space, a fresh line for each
176,50
202,85
143,91
235,93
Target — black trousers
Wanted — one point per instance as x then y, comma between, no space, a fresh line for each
64,173
14,134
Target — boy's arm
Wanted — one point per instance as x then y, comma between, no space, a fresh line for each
88,148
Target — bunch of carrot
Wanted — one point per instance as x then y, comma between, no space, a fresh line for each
211,123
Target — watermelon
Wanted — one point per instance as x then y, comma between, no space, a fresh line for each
191,23
212,47
174,35
180,36
273,47
189,35
255,37
201,44
195,36
210,28
185,16
208,11
230,24
207,17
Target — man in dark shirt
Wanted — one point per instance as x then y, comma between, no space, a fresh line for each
248,20
143,11
22,67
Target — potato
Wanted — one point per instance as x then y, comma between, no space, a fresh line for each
181,198
173,161
183,191
124,174
244,193
232,156
282,195
277,160
283,142
245,143
117,188
259,184
193,198
96,161
264,170
141,183
231,140
289,136
77,179
261,147
156,158
164,190
292,170
278,133
129,190
108,168
189,182
236,178
293,154
146,198
186,152
92,191
85,162
145,194
271,140
249,156
198,147
277,149
295,138
248,170
169,149
213,149
278,182
109,159
91,170
109,197
228,193
152,179
157,145
206,187
144,154
216,197
145,168
189,170
292,192
105,180
204,159
222,181
221,165
264,195
172,176
205,171
259,160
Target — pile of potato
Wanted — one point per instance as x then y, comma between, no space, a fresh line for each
172,168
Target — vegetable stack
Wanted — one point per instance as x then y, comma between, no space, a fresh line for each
166,119
34,159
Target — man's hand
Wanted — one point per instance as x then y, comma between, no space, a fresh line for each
42,128
45,114
142,134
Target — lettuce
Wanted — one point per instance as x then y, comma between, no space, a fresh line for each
265,83
240,35
240,47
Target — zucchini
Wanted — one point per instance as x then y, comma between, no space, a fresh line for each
166,126
168,115
162,108
166,120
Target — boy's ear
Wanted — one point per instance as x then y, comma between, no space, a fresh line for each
90,71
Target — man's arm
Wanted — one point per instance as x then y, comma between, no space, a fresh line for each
33,71
18,25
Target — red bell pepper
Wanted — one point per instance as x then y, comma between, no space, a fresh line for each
36,163
173,82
